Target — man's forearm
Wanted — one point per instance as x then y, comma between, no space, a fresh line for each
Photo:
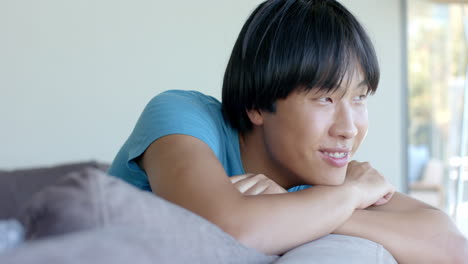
276,223
418,236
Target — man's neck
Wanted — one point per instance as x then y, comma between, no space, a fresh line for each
256,159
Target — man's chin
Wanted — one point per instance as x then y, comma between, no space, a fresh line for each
335,183
335,180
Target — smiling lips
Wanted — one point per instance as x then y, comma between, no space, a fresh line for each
335,157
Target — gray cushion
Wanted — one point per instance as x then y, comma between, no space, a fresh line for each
17,186
334,249
119,224
185,243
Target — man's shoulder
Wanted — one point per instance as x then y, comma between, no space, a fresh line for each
184,107
186,96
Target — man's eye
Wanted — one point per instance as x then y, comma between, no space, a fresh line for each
360,98
325,100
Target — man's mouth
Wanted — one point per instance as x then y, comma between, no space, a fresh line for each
337,155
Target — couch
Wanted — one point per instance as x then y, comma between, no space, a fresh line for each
76,213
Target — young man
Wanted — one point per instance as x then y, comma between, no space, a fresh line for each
293,114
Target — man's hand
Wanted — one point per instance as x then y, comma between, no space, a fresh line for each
254,184
371,187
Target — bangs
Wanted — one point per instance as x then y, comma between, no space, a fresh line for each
308,48
331,50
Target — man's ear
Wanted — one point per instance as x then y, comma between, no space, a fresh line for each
255,116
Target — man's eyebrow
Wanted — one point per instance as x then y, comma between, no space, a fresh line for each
362,83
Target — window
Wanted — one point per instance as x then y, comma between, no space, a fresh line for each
437,69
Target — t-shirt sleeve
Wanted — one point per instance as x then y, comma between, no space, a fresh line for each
175,112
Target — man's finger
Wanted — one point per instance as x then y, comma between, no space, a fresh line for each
258,188
241,177
245,184
384,199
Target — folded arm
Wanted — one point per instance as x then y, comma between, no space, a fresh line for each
185,171
412,231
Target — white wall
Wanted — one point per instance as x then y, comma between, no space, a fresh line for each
75,75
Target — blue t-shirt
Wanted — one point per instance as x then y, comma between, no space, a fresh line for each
180,112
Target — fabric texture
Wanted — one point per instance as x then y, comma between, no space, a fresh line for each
119,223
180,112
334,249
143,244
18,186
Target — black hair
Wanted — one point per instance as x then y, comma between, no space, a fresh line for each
293,44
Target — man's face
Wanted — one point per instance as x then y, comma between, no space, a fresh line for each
313,135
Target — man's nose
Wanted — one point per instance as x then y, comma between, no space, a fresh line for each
344,124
